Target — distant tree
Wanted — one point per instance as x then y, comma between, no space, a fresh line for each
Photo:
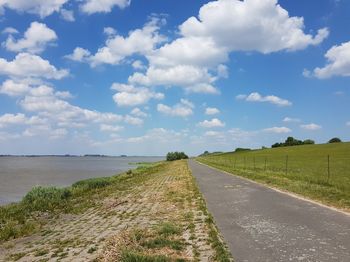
291,141
206,153
239,149
309,142
277,145
263,147
171,156
335,140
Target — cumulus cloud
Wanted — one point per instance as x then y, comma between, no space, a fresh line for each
311,127
42,8
10,30
27,65
110,128
338,58
117,48
278,130
211,123
250,25
35,39
133,120
256,97
211,111
138,112
102,6
193,79
129,95
67,15
291,120
182,109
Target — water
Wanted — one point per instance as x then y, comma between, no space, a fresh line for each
18,175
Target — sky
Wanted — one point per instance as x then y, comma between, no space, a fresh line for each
144,77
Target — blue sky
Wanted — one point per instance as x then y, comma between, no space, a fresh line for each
145,77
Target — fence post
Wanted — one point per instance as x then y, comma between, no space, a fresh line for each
265,162
287,165
328,169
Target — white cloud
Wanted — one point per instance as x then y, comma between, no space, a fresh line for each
182,109
211,111
133,120
256,97
128,95
27,65
102,6
42,8
138,112
79,54
109,31
110,128
250,25
311,127
12,88
278,130
290,120
193,79
35,39
211,123
117,48
338,62
67,15
12,119
10,30
138,65
348,123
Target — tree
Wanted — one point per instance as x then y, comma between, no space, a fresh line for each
171,156
335,140
309,142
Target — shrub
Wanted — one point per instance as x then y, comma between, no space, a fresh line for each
309,142
46,198
335,140
171,156
239,149
93,183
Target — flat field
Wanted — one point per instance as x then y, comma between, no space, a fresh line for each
303,170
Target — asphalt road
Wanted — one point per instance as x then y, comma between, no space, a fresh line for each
261,224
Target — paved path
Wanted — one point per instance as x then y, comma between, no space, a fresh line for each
261,224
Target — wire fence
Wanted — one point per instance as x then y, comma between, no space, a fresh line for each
325,168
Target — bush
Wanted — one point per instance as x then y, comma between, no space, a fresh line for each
335,140
46,198
93,183
171,156
239,149
309,142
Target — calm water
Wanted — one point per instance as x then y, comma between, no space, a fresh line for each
18,175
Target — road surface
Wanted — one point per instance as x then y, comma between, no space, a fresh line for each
261,224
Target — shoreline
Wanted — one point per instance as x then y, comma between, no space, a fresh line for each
161,203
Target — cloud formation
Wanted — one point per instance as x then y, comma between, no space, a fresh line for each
34,41
256,97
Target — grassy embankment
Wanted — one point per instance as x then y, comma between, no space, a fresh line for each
300,169
153,213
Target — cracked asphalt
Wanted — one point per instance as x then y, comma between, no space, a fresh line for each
261,224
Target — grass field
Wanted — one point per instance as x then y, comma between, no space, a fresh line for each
152,213
298,169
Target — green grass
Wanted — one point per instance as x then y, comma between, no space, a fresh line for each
299,169
42,203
